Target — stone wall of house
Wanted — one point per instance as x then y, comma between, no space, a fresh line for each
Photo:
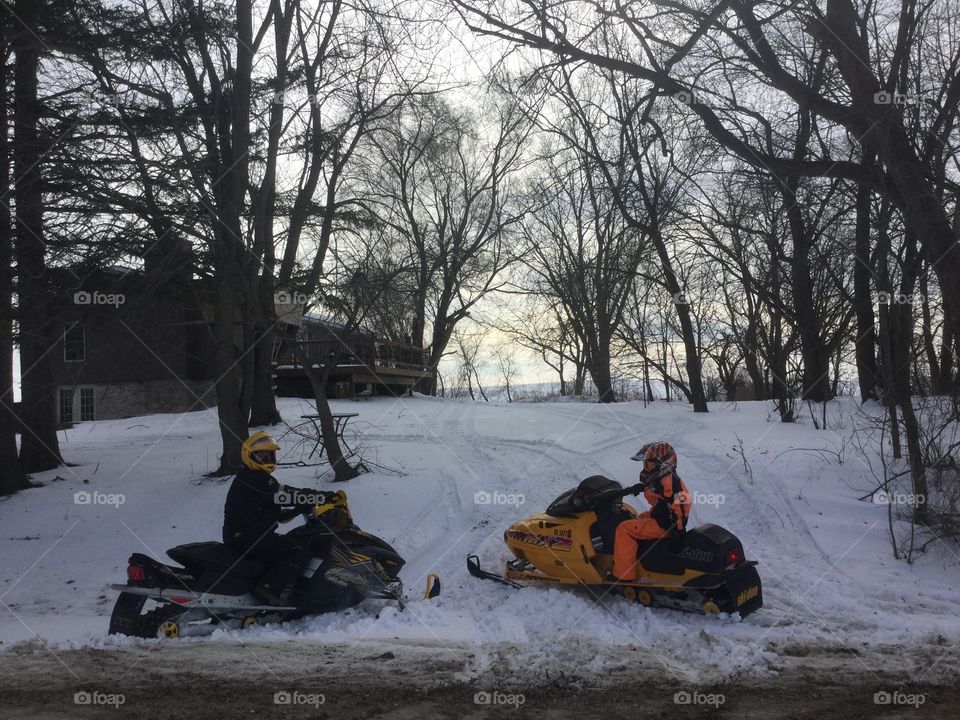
123,400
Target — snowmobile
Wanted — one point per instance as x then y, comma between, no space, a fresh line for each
700,570
213,585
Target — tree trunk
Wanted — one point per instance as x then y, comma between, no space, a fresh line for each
780,390
866,340
263,401
901,332
231,414
926,340
263,404
12,478
692,361
945,375
39,448
889,394
234,282
579,380
948,338
751,362
647,387
816,362
483,394
598,365
342,469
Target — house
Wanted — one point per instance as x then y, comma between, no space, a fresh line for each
131,346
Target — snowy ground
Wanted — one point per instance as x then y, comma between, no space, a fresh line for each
831,587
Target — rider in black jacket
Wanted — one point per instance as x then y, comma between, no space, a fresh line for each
256,504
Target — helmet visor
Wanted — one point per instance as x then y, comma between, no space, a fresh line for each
265,457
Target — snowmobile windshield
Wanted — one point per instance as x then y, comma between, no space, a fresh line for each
593,489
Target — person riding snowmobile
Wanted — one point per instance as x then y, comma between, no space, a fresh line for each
256,503
670,504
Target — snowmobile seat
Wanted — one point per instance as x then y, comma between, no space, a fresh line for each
608,518
703,548
662,555
217,567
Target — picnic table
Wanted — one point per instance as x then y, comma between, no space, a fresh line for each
340,421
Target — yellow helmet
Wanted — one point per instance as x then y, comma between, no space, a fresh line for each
260,442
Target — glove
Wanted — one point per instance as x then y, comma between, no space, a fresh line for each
664,514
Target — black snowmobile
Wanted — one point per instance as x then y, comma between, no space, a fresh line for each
213,586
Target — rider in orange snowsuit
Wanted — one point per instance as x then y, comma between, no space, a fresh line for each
670,504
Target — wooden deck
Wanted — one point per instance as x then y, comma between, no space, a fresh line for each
358,359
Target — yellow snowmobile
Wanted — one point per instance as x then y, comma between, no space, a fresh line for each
699,570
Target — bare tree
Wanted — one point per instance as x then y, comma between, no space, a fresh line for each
445,187
508,367
13,478
39,448
841,68
580,255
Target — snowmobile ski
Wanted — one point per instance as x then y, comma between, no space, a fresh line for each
473,567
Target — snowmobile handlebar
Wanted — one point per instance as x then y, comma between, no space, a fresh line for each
585,502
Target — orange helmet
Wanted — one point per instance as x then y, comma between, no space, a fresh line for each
657,456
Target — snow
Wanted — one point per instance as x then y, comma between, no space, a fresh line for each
824,556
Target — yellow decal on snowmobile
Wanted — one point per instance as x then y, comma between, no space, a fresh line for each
747,594
554,543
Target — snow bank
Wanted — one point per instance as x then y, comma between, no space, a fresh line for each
824,555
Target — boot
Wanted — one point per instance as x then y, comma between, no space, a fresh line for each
266,595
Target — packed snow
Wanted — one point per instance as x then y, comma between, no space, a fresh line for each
448,476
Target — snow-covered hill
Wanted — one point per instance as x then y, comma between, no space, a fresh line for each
824,556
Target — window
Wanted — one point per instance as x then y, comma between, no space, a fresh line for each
87,411
66,406
74,343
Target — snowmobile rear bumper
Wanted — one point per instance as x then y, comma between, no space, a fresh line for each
744,591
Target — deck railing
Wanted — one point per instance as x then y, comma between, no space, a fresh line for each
355,350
